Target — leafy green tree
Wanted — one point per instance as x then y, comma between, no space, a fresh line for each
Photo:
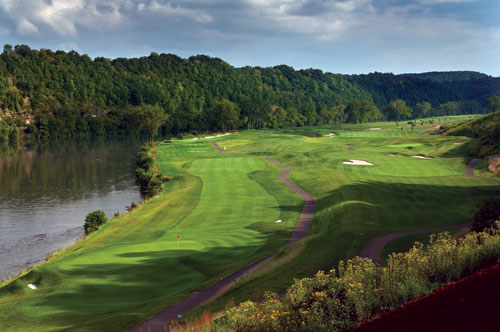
226,115
149,118
449,108
493,103
422,110
359,111
93,220
397,110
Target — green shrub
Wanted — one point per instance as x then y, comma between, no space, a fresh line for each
147,175
93,220
487,213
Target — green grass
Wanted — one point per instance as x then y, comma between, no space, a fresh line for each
224,206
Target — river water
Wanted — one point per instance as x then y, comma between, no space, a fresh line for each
46,190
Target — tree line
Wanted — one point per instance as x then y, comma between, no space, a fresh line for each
46,94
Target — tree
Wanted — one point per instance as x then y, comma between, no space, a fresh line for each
93,220
149,118
488,211
449,108
493,103
226,115
422,110
359,111
397,110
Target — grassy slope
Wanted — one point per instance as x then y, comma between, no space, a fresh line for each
487,131
357,203
134,267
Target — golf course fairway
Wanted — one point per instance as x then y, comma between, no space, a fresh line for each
224,206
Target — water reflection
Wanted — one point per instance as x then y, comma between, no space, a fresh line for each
46,189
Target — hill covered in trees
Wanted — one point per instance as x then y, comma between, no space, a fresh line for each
59,94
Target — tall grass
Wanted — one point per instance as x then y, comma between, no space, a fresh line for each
341,299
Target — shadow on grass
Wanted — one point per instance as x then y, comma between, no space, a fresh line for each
120,295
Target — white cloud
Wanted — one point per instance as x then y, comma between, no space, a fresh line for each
175,11
25,27
433,2
326,20
62,16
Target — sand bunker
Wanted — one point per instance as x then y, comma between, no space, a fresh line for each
330,135
32,286
214,136
279,220
375,128
420,157
392,155
358,162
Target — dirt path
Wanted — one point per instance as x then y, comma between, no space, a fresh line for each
160,321
373,249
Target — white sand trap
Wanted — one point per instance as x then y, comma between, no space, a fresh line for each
457,143
330,135
214,136
420,157
279,220
375,128
358,162
32,286
392,155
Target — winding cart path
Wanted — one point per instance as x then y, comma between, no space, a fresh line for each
373,249
160,321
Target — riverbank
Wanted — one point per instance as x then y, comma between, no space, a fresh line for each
46,191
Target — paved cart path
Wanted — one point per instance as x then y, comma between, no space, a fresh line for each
373,249
160,321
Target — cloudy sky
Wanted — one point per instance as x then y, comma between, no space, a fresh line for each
340,36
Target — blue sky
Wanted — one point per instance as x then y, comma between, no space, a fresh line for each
340,36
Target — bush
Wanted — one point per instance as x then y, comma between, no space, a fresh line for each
93,220
147,174
488,212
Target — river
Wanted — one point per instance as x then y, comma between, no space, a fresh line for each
46,190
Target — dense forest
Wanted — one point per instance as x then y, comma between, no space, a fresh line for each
46,94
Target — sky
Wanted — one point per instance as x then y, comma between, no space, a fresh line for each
339,36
